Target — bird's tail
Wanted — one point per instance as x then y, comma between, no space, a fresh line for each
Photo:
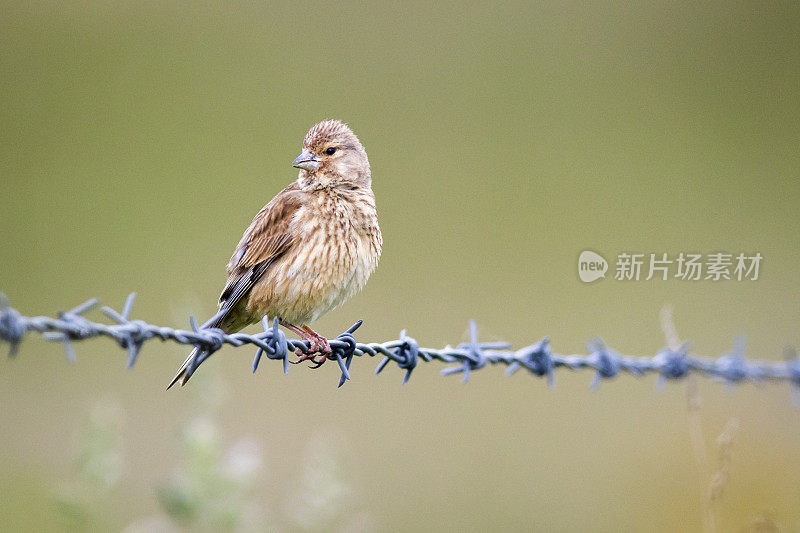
197,355
183,375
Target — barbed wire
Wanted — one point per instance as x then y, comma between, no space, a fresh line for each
537,358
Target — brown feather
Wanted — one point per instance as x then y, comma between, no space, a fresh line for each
269,233
267,238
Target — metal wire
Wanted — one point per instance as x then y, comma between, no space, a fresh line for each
537,358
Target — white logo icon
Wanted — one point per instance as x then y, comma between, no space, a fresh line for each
591,266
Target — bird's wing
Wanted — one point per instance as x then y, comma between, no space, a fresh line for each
267,238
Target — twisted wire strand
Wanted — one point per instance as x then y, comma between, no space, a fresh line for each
537,358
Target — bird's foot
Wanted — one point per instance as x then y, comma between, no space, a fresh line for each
316,358
319,349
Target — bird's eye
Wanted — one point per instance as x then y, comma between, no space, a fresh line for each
330,151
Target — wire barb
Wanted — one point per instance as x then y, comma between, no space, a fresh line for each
669,363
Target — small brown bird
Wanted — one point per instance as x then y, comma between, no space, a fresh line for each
309,249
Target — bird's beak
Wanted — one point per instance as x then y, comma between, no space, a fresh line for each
306,161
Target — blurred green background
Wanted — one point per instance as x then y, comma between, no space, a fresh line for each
138,139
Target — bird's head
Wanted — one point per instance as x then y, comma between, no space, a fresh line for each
332,156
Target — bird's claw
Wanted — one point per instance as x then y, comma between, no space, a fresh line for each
318,351
318,362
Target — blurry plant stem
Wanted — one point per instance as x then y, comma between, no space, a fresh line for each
720,478
694,420
711,495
